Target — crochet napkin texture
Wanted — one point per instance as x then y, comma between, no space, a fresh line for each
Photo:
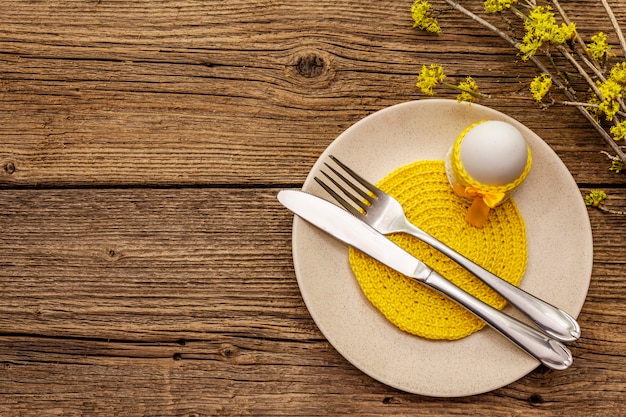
500,247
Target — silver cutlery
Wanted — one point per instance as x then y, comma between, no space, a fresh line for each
385,214
352,231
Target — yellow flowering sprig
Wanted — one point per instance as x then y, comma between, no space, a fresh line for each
430,77
619,131
596,199
541,27
469,90
495,6
542,30
599,48
610,94
434,75
423,17
617,165
540,86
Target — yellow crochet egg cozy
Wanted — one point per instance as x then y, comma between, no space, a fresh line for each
500,246
515,166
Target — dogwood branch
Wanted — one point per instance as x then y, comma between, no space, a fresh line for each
571,96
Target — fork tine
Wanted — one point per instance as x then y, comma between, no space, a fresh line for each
337,197
371,187
358,190
356,200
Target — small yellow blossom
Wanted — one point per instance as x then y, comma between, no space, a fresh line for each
609,108
529,46
595,198
469,90
619,131
617,166
540,86
563,34
494,6
599,48
541,26
618,73
594,111
423,18
430,77
611,90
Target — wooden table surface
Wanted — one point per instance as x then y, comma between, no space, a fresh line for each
145,263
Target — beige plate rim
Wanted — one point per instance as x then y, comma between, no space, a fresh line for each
560,251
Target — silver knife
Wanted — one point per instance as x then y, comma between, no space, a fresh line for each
344,226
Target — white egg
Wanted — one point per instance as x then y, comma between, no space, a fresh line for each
494,153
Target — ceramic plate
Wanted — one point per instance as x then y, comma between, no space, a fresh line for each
558,270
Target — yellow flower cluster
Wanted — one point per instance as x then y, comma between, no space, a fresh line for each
423,18
469,90
598,48
617,165
595,198
619,131
618,73
430,77
541,26
612,90
540,86
494,6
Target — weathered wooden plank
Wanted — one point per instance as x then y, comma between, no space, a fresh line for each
88,253
139,301
116,257
239,377
109,93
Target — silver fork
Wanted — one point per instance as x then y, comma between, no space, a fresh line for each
385,214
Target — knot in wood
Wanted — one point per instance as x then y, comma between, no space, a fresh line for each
310,65
9,168
229,351
112,255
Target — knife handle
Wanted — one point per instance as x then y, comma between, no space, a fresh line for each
548,351
552,320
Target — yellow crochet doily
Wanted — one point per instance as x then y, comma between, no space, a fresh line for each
500,246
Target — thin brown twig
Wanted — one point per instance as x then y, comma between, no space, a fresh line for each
611,15
580,70
597,72
588,79
580,41
588,105
610,211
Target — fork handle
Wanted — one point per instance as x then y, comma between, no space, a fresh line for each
548,351
552,320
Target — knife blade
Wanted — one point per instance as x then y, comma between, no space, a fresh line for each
347,228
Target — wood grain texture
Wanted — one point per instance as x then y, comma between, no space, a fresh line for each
145,263
150,302
228,92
